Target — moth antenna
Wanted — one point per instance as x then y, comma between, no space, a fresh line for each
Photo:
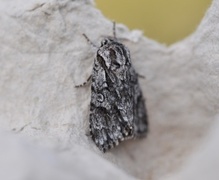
114,29
89,41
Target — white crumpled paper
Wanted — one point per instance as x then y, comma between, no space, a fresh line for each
44,118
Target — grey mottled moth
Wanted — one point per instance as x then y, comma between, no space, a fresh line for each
117,107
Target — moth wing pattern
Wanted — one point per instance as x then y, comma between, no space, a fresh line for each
140,112
117,109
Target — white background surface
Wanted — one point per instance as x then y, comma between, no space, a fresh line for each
43,55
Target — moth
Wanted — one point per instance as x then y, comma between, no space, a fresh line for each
117,107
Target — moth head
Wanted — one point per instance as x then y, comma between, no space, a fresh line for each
114,56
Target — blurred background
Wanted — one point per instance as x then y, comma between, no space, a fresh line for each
166,21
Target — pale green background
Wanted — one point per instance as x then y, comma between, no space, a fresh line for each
166,21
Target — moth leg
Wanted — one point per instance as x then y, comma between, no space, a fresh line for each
141,76
88,134
85,83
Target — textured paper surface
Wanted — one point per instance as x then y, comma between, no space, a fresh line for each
43,55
